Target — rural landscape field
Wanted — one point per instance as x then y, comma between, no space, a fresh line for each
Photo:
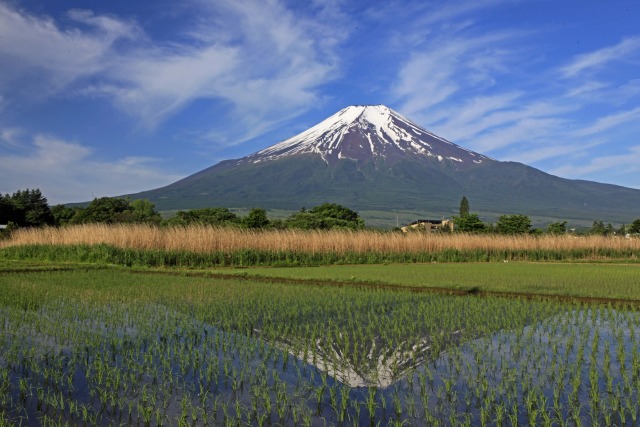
139,325
320,213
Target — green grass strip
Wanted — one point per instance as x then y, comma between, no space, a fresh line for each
106,254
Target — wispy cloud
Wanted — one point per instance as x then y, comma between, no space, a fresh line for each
529,130
557,149
10,137
601,57
444,67
491,92
610,121
233,53
63,170
625,163
41,58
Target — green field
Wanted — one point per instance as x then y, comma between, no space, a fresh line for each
612,281
93,344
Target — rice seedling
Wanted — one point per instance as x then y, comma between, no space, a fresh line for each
107,347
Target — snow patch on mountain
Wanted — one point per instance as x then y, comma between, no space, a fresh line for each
364,132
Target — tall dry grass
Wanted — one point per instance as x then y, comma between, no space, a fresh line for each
207,239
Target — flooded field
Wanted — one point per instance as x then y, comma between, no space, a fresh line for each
113,348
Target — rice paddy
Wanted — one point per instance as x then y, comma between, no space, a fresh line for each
106,346
87,340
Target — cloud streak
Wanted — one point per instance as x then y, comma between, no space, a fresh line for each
451,83
35,51
625,163
601,57
266,72
610,121
70,169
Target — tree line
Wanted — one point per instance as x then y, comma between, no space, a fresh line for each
29,208
468,222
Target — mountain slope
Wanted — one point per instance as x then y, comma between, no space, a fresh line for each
372,158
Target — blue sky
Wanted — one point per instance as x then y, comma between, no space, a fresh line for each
103,98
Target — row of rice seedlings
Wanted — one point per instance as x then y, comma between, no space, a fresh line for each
215,239
192,352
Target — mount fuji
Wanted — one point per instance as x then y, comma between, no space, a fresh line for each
363,133
372,159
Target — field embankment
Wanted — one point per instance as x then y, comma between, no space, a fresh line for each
201,246
598,282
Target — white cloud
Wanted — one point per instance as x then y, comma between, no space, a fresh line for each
10,137
445,67
586,89
625,163
65,171
487,123
476,115
610,121
257,56
487,93
425,81
606,93
41,56
153,85
558,149
527,130
601,57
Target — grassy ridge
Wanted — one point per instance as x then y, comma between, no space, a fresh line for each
582,281
605,281
131,257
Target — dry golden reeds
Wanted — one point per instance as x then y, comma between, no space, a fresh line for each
207,239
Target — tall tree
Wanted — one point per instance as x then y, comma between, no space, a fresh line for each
513,224
464,206
204,216
8,210
257,218
469,223
144,211
338,216
557,228
634,228
325,216
64,215
104,210
600,229
32,209
116,210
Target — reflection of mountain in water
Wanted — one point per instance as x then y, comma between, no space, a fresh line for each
380,367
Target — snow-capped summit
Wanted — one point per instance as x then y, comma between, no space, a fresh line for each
364,132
